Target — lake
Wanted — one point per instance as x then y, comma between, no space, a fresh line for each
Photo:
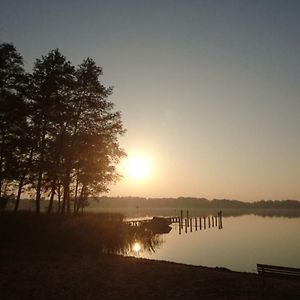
243,242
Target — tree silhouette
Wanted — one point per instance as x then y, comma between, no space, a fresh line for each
52,76
59,131
93,149
12,118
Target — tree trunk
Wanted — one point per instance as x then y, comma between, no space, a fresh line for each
59,199
40,172
75,196
53,188
66,196
22,179
21,184
1,162
80,202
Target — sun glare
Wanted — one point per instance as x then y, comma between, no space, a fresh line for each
136,247
138,167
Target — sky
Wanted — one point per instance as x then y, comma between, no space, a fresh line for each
209,90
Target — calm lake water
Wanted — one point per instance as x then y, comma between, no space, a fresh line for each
243,242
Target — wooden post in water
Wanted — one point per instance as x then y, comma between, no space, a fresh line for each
220,219
200,225
213,221
196,223
180,220
208,221
204,219
188,217
186,225
216,220
220,223
191,224
179,227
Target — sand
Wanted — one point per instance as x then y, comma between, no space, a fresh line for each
50,276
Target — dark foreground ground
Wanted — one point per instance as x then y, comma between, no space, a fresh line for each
33,276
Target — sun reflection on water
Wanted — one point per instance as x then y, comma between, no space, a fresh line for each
136,247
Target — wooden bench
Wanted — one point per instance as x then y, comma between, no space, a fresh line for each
275,271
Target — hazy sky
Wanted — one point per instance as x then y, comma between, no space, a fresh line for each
209,90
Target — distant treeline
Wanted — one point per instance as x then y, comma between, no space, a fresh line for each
187,202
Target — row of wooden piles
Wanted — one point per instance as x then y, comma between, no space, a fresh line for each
190,223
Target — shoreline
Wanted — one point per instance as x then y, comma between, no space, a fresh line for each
82,276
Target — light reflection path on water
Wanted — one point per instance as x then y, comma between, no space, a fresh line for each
243,242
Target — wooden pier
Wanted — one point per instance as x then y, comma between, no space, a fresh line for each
139,222
191,223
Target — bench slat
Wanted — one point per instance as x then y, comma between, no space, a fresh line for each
278,271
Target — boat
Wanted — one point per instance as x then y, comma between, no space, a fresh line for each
159,225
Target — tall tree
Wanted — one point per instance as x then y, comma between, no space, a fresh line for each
92,149
52,77
12,116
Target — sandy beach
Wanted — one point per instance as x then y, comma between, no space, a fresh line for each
47,276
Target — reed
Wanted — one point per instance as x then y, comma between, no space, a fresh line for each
90,233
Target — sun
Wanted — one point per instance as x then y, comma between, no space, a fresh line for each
138,167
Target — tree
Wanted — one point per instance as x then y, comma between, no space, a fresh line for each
59,132
12,117
52,77
92,149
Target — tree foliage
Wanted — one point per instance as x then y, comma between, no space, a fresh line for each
59,131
